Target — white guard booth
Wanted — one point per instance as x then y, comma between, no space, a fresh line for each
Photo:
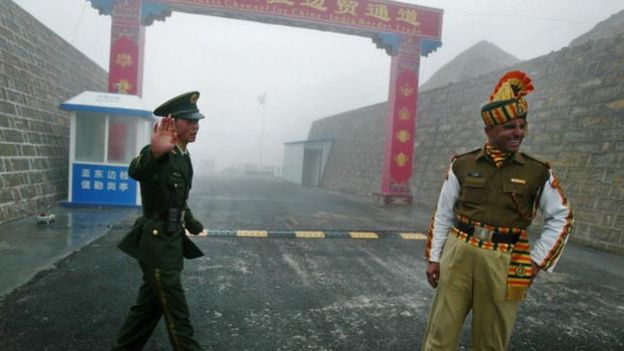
107,131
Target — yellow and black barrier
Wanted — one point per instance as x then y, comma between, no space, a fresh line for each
314,234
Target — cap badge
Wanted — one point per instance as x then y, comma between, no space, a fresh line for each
194,98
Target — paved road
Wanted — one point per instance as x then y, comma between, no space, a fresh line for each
239,202
299,294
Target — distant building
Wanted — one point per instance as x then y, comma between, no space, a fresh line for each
304,161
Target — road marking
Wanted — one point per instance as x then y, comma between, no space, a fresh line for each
309,234
413,236
363,235
252,233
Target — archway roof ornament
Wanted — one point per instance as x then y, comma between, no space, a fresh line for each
388,23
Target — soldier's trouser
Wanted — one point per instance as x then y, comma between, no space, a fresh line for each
474,279
160,294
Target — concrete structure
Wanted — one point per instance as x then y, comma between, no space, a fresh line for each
38,71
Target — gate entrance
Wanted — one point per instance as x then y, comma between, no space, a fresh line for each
404,31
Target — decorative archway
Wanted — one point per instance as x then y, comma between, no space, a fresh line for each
405,31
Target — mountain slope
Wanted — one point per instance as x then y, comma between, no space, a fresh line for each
479,59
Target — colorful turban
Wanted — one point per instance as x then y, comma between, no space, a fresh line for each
507,101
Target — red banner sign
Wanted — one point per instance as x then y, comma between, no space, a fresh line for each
123,74
404,110
385,16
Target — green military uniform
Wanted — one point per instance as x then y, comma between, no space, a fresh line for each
159,242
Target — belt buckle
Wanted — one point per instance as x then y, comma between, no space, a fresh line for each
481,233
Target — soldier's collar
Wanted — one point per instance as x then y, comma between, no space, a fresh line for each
517,157
182,152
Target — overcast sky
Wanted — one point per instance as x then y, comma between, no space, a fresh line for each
305,74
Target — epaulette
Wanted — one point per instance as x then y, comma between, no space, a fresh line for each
466,153
545,163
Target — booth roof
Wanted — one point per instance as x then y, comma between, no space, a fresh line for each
118,104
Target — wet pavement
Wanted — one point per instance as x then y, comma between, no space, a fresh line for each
277,293
28,247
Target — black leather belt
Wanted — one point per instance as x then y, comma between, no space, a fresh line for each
486,234
161,215
155,215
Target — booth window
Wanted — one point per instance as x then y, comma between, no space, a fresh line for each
90,130
122,132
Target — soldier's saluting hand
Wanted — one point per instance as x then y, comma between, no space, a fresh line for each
164,136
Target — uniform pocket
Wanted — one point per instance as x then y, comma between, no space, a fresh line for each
522,195
473,190
153,227
152,237
175,180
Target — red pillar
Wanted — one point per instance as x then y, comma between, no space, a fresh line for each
400,125
125,75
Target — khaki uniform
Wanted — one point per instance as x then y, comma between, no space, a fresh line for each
474,272
160,247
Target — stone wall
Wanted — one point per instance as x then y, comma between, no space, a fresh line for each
38,71
576,120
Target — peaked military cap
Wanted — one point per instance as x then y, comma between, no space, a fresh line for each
182,106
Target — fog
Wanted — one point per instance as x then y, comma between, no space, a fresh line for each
304,74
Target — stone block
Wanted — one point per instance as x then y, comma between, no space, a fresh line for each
28,150
601,121
605,94
9,150
11,136
7,108
572,159
581,229
28,192
616,193
604,234
584,147
604,160
612,134
608,220
616,105
588,217
6,196
610,205
9,180
590,83
574,136
17,164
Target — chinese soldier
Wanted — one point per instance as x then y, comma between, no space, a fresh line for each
158,239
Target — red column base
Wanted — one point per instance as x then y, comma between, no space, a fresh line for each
380,199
